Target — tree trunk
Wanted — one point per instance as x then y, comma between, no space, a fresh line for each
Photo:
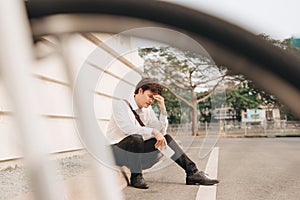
194,114
195,121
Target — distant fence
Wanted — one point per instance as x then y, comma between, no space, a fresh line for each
268,129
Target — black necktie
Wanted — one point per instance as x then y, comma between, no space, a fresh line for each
137,117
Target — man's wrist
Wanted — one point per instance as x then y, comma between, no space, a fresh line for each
155,132
163,110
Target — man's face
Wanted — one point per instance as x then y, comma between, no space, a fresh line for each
145,98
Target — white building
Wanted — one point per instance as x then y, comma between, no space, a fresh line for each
262,117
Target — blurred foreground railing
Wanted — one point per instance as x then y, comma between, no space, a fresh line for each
17,59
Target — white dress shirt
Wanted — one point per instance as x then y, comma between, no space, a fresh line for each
123,122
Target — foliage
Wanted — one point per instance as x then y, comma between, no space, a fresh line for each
187,75
238,98
173,106
182,73
182,69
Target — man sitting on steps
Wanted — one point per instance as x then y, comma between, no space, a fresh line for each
136,134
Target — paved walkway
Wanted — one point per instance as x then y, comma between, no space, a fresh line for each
249,168
168,183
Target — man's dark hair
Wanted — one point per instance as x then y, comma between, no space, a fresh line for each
149,84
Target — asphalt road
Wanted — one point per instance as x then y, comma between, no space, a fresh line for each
249,168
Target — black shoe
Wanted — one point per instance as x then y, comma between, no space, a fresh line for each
200,178
138,181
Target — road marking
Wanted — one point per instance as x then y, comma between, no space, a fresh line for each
210,192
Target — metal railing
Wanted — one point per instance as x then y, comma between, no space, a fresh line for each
269,128
16,61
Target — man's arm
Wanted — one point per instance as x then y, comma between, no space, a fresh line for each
161,103
160,124
160,139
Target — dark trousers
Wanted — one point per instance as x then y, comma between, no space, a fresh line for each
138,154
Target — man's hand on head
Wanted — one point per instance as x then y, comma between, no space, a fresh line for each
161,102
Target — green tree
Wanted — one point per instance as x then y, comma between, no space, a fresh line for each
174,107
183,73
242,98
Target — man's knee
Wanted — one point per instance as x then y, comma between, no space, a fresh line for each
168,138
136,138
171,141
136,142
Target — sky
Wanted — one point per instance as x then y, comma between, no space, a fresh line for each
279,19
